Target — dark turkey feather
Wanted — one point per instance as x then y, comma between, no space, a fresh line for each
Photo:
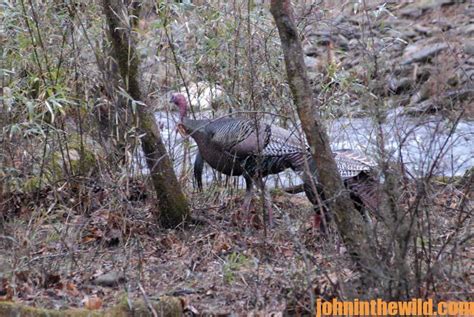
197,170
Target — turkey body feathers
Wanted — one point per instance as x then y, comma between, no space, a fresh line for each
237,146
357,172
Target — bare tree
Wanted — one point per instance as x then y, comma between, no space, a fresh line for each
173,208
349,222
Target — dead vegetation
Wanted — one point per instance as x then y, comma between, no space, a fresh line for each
57,257
76,225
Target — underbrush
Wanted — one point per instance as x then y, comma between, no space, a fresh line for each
59,248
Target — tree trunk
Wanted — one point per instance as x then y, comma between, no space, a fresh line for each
349,222
173,207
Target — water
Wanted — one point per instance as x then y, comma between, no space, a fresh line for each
425,145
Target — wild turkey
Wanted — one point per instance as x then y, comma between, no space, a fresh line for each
357,172
238,146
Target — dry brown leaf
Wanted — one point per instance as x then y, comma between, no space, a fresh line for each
6,291
221,243
287,252
93,235
92,303
71,289
6,298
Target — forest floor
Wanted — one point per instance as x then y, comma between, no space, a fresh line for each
57,258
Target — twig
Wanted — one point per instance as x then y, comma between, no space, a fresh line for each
147,301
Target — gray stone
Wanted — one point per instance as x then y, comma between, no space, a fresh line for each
418,97
433,4
415,53
468,48
399,85
110,279
342,42
310,50
461,76
311,62
460,94
402,33
411,12
424,107
417,8
426,30
468,30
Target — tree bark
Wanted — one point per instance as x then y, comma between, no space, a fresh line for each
173,207
349,222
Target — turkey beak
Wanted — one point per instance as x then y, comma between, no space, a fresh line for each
181,129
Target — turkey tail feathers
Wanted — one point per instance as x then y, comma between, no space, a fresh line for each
366,188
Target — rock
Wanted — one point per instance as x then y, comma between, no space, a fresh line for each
400,85
461,76
425,107
459,94
468,47
311,62
414,53
411,12
468,30
342,42
418,97
417,8
203,95
402,33
433,4
426,30
110,279
310,50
